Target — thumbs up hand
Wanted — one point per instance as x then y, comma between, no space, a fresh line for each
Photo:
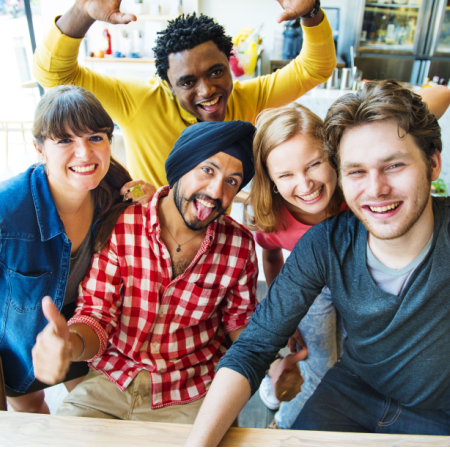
52,353
286,378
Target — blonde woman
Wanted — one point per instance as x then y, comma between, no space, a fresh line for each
295,188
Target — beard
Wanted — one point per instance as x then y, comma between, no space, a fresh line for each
180,201
406,224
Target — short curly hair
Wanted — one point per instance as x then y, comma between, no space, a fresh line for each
185,33
382,100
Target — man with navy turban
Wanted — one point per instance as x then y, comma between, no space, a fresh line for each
174,280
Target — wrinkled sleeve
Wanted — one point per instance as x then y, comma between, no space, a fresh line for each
276,318
263,240
314,65
99,295
240,302
56,63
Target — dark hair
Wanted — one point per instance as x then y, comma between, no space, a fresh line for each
382,100
185,33
67,110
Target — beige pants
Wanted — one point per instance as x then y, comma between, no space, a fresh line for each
98,397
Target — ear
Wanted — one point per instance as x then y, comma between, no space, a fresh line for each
436,165
40,152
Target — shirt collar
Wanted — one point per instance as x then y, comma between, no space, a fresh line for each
154,220
186,116
50,224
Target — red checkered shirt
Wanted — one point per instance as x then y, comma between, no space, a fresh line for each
175,329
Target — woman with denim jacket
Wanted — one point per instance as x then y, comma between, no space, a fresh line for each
52,218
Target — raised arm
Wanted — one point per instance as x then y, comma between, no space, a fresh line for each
437,99
314,65
56,60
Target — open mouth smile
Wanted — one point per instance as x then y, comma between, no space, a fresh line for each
84,169
212,105
314,196
384,209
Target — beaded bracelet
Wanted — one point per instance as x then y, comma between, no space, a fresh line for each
314,12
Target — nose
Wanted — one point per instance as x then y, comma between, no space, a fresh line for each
215,188
378,185
83,150
205,88
304,184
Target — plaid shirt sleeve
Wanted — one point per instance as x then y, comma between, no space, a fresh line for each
99,297
240,302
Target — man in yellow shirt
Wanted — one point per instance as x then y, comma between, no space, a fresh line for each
194,82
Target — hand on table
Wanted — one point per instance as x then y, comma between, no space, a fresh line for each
148,189
286,377
52,353
105,10
293,9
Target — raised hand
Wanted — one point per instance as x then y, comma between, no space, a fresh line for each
286,378
52,353
293,9
294,340
105,10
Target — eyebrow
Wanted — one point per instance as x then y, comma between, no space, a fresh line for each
191,76
388,159
235,174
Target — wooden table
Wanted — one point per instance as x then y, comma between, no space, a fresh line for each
41,430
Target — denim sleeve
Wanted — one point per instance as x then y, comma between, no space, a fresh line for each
300,281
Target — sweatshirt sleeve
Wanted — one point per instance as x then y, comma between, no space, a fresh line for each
276,318
314,65
56,63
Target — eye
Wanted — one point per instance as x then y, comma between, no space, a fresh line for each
207,170
395,166
188,83
96,138
315,164
285,175
64,141
232,182
217,72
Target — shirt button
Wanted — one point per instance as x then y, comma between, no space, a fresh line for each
258,307
162,370
130,373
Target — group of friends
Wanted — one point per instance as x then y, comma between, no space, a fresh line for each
146,308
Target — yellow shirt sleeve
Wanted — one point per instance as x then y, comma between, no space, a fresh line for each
313,66
56,63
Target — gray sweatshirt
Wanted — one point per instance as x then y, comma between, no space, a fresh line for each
399,345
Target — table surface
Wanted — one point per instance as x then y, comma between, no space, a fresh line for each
26,430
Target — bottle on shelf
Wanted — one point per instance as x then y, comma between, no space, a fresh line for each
390,29
107,45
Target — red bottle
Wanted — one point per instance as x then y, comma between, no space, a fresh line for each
108,50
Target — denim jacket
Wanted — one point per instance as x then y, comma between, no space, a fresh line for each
34,262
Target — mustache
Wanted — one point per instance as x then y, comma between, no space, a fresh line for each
216,201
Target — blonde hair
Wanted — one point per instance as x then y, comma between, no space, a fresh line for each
275,126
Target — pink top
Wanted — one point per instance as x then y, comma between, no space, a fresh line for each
282,238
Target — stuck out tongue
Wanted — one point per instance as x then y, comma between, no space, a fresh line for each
202,211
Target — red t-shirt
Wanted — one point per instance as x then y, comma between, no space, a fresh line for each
282,238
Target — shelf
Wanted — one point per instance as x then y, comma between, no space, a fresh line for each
153,18
404,13
393,5
111,59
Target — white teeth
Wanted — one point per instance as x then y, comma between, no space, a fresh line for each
204,202
80,169
380,209
212,102
312,196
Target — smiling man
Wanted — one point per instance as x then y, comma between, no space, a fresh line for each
386,261
194,82
172,281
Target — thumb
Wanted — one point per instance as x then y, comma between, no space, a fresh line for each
121,18
57,321
294,358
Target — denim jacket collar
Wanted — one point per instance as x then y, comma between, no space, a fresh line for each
50,224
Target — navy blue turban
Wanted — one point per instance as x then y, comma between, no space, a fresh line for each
204,139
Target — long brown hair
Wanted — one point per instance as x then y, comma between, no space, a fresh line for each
275,126
67,110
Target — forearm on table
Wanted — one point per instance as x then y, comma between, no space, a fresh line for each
228,394
437,99
273,261
75,23
90,338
